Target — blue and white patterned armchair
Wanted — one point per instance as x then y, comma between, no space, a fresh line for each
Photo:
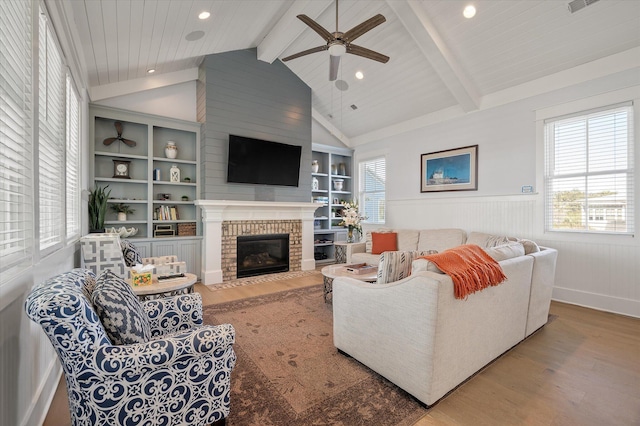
181,376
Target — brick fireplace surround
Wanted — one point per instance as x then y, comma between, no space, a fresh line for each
224,220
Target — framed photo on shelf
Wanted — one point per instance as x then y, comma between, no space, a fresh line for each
335,201
450,170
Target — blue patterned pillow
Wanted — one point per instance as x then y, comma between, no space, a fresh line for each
119,310
130,253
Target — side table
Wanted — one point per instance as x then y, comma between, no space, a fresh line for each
166,288
343,251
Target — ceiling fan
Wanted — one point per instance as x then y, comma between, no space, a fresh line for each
339,43
118,126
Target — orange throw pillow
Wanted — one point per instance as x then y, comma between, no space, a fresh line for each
383,241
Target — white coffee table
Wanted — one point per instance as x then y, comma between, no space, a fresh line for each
331,272
165,288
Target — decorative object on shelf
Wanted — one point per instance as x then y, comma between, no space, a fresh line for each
156,174
334,169
351,219
123,210
186,229
164,197
171,150
342,169
338,184
98,208
315,185
122,231
163,231
121,169
315,166
450,170
185,198
118,126
187,179
174,174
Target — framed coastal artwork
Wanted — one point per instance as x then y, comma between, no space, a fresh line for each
450,170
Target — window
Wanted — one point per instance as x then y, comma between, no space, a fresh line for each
73,162
589,171
16,146
373,177
51,140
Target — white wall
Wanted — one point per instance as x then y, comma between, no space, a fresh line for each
593,270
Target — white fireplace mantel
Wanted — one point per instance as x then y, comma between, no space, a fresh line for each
214,212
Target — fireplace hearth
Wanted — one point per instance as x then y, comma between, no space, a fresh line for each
262,254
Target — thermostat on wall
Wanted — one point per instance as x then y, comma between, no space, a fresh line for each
527,189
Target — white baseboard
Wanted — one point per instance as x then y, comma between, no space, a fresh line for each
596,301
42,399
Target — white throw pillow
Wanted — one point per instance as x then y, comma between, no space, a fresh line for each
422,265
505,251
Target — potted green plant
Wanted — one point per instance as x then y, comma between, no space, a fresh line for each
123,210
98,208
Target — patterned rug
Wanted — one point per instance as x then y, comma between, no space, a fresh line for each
289,373
261,279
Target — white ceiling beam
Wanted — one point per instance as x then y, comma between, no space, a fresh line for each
289,28
335,132
128,87
424,33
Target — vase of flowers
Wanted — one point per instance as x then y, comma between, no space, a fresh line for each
351,219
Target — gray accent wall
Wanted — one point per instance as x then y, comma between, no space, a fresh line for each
238,94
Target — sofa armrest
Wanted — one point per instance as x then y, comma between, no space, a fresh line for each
542,283
170,314
359,247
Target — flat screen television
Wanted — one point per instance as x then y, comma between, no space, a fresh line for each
262,162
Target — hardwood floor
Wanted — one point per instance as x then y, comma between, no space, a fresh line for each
582,368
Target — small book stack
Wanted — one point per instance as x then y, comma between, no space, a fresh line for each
361,268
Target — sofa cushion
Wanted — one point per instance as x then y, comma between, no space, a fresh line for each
381,242
529,246
441,239
505,251
119,310
130,253
407,239
396,265
422,265
485,240
367,239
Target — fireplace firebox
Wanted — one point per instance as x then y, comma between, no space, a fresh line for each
262,254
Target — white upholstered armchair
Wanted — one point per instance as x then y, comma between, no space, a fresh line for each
178,374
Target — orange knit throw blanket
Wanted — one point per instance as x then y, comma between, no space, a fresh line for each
470,268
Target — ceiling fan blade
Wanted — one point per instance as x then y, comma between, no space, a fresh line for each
129,142
333,67
118,126
109,141
305,52
359,30
366,53
317,28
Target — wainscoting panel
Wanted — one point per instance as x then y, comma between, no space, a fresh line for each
597,271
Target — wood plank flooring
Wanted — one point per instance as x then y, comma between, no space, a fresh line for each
583,368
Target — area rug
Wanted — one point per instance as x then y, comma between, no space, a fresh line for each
262,279
289,373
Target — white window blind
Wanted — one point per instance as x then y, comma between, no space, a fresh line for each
373,176
589,174
73,161
16,147
51,142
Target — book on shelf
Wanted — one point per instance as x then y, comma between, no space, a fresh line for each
361,268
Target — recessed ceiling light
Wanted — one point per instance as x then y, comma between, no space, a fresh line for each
151,71
469,12
204,15
359,75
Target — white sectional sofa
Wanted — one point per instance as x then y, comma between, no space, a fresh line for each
418,335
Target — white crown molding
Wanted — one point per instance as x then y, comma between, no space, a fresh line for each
128,87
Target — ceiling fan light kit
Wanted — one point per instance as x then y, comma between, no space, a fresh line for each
339,43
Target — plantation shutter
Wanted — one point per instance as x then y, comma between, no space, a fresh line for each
73,161
51,140
589,174
16,135
373,177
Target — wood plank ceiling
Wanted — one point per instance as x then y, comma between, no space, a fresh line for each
439,60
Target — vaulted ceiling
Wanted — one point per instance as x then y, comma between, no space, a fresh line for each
440,61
